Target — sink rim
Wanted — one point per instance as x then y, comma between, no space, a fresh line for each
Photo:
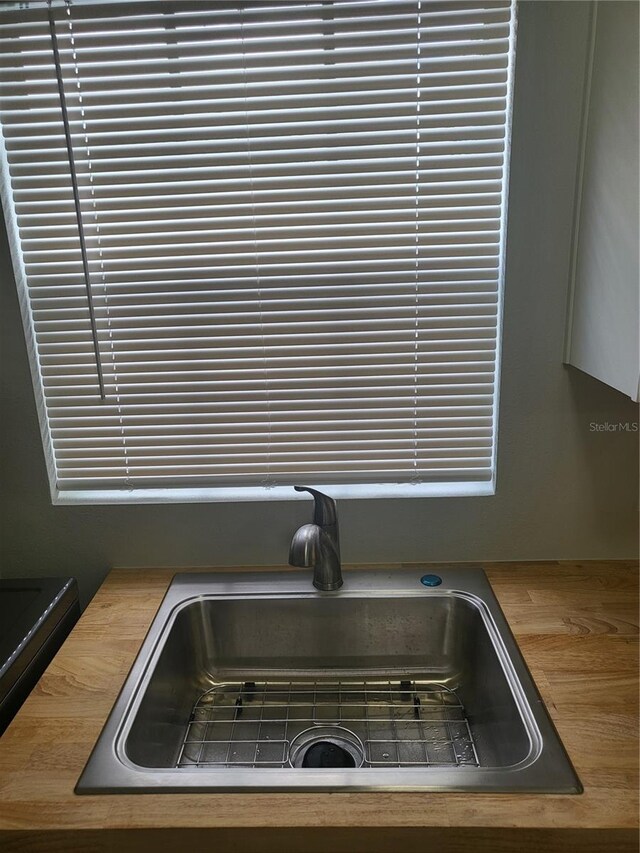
109,769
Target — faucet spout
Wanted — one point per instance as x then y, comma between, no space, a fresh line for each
318,544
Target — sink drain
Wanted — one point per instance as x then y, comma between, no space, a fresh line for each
326,746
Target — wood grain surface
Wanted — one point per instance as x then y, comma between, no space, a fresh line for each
577,626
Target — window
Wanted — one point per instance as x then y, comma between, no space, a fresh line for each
260,243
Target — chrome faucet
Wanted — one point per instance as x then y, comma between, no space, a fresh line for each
318,544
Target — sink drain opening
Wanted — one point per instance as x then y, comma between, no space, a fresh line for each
327,754
326,746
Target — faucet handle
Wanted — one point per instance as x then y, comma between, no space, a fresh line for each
324,509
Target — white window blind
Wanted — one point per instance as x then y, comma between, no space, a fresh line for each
293,217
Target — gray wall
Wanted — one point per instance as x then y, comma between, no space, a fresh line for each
564,490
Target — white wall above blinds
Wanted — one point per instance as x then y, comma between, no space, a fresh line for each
294,218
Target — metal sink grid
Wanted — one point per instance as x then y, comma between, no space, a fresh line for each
400,723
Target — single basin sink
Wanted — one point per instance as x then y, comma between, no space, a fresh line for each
257,681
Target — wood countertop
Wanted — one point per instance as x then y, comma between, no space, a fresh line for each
577,626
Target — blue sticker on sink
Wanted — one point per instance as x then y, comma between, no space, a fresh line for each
431,580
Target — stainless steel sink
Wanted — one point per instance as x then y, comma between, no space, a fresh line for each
257,681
